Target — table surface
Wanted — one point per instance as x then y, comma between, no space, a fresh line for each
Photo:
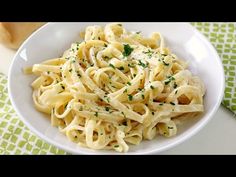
217,137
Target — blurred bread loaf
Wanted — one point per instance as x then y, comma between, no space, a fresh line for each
12,34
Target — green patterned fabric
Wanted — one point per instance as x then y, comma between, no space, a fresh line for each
16,138
223,38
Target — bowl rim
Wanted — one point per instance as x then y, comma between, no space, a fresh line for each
194,130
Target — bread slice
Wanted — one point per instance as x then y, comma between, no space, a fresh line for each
12,34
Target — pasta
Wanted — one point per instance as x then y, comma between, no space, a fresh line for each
116,88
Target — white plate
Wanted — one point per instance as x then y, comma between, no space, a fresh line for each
52,39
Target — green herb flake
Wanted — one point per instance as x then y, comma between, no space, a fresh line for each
65,106
63,87
175,85
149,53
167,82
176,91
172,103
70,70
125,91
142,64
116,146
131,65
170,127
128,83
96,114
105,45
123,114
130,97
166,64
107,98
170,78
151,87
140,89
127,50
107,108
143,96
153,113
161,104
111,65
78,74
121,68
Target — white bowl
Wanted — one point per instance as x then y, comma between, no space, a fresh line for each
52,39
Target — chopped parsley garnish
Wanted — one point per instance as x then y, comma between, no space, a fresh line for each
63,87
175,85
153,113
176,91
107,98
70,70
128,83
111,65
142,64
116,146
172,103
107,108
78,74
48,72
130,97
167,82
135,75
92,64
65,106
125,91
106,57
142,96
166,64
131,65
99,38
149,53
161,104
121,68
170,78
73,61
127,50
170,127
138,32
151,87
140,89
105,45
123,114
96,114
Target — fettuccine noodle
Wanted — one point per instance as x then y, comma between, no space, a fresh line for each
116,88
